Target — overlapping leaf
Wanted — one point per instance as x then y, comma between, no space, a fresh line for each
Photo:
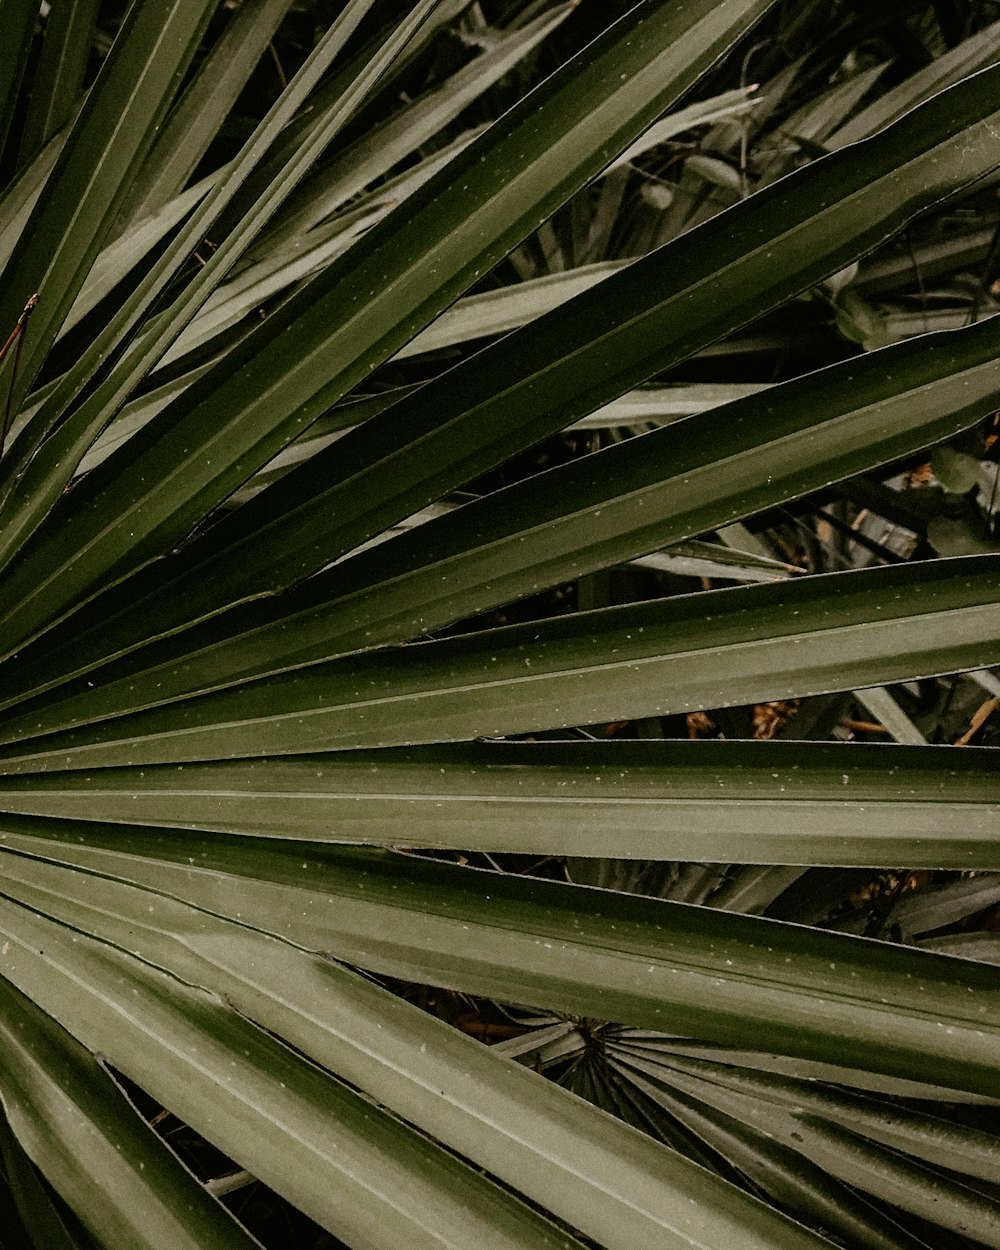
651,315
357,313
546,1144
174,735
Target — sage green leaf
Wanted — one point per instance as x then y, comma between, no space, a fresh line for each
945,904
965,59
904,1184
305,626
113,1171
537,380
887,712
286,265
140,411
934,258
791,1181
655,1045
662,404
491,314
21,196
964,1149
352,1168
256,284
524,1130
135,415
727,104
371,157
129,249
699,559
720,648
818,118
751,889
633,497
762,802
29,1213
982,946
719,976
19,18
496,312
640,409
854,1159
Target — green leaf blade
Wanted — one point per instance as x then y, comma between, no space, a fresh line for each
358,312
123,1183
775,802
701,651
531,1134
712,975
257,1101
108,142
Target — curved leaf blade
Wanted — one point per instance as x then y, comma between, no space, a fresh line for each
718,976
530,1133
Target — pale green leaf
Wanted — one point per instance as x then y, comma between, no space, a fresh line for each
112,1170
518,1127
351,1167
719,976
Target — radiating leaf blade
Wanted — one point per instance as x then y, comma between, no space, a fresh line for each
108,142
535,381
718,976
506,1119
771,802
116,1175
636,496
351,1167
834,632
338,336
204,106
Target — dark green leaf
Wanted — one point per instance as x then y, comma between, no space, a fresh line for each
361,310
57,83
107,144
789,640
